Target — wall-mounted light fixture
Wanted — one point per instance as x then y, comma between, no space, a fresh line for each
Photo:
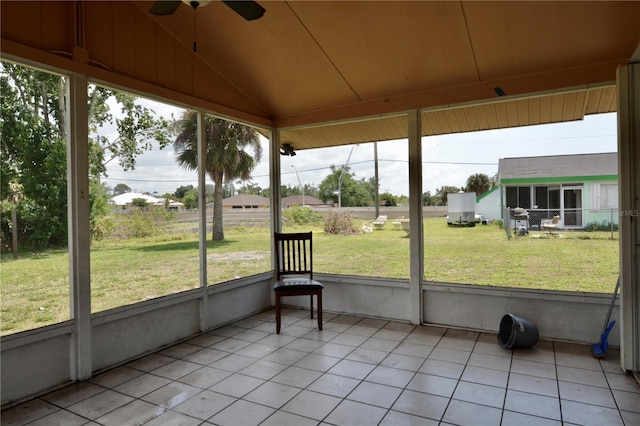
287,149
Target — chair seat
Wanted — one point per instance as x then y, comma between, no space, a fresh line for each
295,284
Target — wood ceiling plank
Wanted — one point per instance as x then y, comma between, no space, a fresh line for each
145,45
430,124
408,45
167,61
22,21
123,33
57,14
184,70
275,59
545,109
502,115
512,114
557,108
462,119
593,100
534,110
99,17
530,37
522,110
609,100
481,114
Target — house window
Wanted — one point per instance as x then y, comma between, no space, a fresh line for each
542,197
519,196
605,196
547,197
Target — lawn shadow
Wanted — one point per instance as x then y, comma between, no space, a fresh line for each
185,245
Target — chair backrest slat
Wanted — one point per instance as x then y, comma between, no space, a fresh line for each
294,254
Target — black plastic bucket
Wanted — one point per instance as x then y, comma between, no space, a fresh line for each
517,332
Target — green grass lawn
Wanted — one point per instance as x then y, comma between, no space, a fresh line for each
35,289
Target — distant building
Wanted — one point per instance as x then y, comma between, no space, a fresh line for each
124,202
301,200
245,201
580,188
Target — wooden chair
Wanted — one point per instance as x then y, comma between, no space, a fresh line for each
294,271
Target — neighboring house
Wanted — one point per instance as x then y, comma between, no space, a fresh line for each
124,202
245,201
488,204
301,200
581,188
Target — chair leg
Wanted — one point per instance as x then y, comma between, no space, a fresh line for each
311,298
320,310
278,308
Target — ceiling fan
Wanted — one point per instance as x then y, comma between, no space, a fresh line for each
248,9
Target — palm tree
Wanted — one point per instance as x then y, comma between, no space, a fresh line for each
226,158
478,183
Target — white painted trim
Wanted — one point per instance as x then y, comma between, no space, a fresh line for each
416,234
78,208
629,192
202,215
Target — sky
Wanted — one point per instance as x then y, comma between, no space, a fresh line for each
448,160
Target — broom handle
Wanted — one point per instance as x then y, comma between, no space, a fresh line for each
613,301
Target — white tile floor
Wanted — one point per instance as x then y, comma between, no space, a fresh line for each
357,371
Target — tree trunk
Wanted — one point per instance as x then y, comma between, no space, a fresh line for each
62,108
14,231
218,226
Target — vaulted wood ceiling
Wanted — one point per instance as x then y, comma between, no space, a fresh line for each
338,72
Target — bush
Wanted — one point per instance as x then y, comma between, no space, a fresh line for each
134,224
101,228
339,223
301,215
600,226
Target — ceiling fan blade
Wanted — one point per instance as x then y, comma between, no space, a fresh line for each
164,7
248,9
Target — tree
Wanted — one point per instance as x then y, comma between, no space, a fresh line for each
388,199
140,203
121,188
226,157
34,152
190,200
14,198
495,180
33,117
478,183
443,191
429,199
184,190
353,193
137,129
251,188
288,190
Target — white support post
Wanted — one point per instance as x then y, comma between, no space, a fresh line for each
275,194
202,219
628,85
77,126
416,235
274,181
